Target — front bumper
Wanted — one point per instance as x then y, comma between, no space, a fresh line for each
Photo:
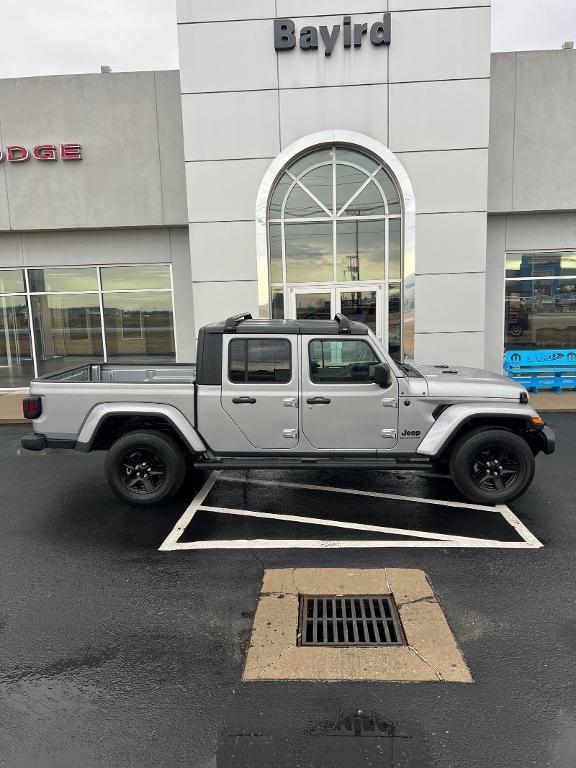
547,440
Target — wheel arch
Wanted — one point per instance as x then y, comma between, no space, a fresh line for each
457,420
109,421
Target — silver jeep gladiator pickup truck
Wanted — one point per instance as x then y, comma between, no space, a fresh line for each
280,394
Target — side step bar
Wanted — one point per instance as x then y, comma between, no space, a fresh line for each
293,462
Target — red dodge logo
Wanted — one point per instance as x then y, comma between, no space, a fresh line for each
18,154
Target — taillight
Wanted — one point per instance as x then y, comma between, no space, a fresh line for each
32,407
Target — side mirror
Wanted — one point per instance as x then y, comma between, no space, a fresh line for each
382,375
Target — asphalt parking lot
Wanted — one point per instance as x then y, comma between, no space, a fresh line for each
124,632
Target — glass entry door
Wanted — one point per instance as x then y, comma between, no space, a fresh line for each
312,303
363,303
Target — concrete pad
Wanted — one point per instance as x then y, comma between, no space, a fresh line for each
428,632
11,406
273,632
408,585
430,655
338,664
553,401
326,581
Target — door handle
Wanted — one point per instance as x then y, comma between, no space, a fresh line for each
318,401
243,400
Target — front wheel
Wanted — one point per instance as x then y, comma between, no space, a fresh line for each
492,466
145,468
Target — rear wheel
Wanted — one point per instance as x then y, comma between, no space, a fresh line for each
145,468
492,466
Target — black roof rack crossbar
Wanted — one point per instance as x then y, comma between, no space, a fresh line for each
343,323
232,322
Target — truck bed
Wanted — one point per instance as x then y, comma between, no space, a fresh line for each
125,373
69,396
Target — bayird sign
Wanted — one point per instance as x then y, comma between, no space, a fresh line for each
311,38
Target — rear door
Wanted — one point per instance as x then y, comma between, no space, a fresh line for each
342,407
260,388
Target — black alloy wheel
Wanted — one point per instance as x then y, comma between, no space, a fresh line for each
492,466
145,467
142,471
496,468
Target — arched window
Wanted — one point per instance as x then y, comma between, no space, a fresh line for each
334,231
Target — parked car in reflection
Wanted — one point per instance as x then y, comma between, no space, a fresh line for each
518,319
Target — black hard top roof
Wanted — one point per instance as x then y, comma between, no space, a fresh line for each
245,324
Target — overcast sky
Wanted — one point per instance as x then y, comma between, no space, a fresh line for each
43,37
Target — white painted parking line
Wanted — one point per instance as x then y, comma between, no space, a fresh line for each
417,538
344,544
338,524
519,526
172,539
355,492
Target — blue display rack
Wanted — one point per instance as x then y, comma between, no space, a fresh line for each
542,368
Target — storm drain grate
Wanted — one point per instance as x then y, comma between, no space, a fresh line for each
349,620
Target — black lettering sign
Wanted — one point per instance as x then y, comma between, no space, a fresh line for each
359,30
329,38
285,35
380,31
347,31
309,38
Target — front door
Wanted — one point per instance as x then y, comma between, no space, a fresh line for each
260,388
360,302
342,408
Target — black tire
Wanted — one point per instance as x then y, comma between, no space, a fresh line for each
145,468
492,466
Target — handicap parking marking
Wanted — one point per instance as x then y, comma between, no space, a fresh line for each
414,538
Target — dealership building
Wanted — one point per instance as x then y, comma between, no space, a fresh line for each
309,157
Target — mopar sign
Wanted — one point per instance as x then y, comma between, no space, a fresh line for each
541,356
551,368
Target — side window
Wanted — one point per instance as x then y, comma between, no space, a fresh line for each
259,361
343,361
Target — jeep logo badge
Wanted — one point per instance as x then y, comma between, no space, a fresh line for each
285,36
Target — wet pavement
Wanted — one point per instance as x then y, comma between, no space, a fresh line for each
114,653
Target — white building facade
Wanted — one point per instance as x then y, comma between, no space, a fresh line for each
337,160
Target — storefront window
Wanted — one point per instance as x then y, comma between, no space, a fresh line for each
359,250
277,303
532,265
82,315
394,320
360,306
308,252
335,220
12,281
540,309
141,277
139,325
63,279
67,330
16,363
